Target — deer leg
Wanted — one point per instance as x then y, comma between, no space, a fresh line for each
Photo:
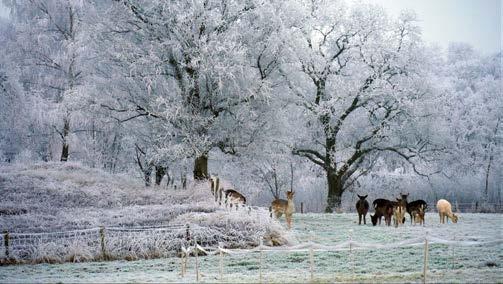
359,219
364,219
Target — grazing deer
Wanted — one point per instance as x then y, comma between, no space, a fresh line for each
380,205
362,207
281,206
414,206
445,211
233,197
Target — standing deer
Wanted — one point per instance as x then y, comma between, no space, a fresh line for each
216,190
362,207
281,206
418,215
416,206
398,214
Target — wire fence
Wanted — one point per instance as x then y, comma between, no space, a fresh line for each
308,251
101,243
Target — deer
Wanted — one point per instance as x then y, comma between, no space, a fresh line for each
362,207
216,190
445,211
399,209
415,206
234,197
418,214
281,206
382,207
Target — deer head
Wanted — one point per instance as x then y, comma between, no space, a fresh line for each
289,194
362,197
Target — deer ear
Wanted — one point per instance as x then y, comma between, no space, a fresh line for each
365,196
398,199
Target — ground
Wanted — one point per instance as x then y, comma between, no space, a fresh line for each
446,263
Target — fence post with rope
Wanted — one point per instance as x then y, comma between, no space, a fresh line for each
260,261
6,243
351,254
425,263
102,241
221,262
311,256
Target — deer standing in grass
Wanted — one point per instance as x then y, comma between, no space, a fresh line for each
281,206
362,206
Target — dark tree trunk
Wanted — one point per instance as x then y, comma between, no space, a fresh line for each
147,173
66,147
201,167
160,171
335,190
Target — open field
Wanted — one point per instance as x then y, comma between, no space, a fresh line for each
446,263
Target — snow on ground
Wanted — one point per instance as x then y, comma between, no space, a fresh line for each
55,197
446,263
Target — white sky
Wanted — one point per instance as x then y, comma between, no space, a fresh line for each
478,22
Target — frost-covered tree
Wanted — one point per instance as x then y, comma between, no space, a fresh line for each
357,75
202,86
49,48
475,112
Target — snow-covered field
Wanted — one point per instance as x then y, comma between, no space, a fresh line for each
446,263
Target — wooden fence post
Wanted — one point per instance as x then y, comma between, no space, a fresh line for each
311,257
6,243
196,250
260,261
187,232
102,238
351,254
182,262
452,253
221,270
425,264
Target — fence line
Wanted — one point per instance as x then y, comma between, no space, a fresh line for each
310,247
95,243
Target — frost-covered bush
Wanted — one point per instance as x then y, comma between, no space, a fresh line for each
139,222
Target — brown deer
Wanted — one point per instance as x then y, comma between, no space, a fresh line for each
399,210
362,207
418,214
232,197
415,206
382,207
281,206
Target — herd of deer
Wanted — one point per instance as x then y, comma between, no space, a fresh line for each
396,210
382,207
